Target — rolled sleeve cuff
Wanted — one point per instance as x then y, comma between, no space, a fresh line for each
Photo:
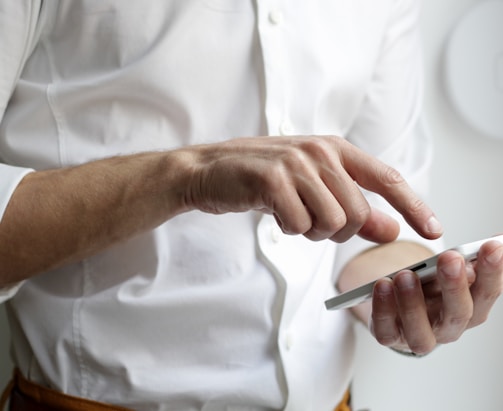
10,178
9,291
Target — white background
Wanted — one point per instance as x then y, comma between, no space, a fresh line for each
468,199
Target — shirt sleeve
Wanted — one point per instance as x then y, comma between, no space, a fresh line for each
19,31
390,124
10,178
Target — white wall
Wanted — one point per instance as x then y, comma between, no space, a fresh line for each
468,200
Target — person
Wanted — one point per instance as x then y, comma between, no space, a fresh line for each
184,183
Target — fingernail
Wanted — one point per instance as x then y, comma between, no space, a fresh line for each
434,226
384,288
452,269
496,256
406,280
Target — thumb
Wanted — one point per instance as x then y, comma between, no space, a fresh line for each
379,228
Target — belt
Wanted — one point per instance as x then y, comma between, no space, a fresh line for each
345,404
25,395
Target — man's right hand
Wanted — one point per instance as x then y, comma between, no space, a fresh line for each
310,184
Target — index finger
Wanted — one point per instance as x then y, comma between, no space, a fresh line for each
372,174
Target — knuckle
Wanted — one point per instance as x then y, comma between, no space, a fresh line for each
384,328
448,338
391,176
388,340
379,316
490,295
393,179
336,223
327,228
295,227
331,222
359,215
318,148
479,319
416,206
274,179
458,322
314,235
346,224
294,156
452,328
408,314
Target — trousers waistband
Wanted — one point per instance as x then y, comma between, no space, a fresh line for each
345,404
25,395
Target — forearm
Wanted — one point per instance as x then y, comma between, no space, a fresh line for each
308,183
376,262
60,216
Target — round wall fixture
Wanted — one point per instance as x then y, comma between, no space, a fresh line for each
474,68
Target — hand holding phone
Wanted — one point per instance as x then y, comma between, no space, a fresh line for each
425,269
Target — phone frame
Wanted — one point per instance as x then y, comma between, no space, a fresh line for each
425,269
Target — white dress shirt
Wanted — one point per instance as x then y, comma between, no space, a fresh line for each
205,312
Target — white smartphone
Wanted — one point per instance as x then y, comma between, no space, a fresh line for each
426,270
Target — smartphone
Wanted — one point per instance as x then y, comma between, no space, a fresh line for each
426,270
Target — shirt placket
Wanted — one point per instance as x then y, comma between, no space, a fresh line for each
273,32
272,20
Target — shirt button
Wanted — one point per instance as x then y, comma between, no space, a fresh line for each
276,17
286,128
288,341
275,234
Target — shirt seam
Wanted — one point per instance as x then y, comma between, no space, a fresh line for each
77,335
